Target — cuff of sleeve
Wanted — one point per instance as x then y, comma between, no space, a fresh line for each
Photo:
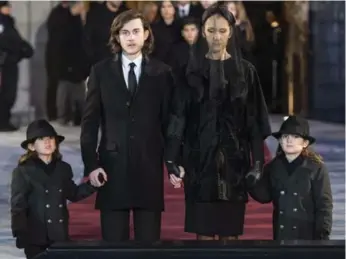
91,167
172,149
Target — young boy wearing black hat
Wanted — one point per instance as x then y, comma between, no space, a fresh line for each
41,185
296,181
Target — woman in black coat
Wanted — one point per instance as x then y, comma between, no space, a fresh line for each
219,117
41,185
166,32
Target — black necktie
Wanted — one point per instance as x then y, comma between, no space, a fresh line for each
132,80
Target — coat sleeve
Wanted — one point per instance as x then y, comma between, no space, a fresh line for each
167,101
90,124
262,192
323,200
76,192
19,202
177,123
258,117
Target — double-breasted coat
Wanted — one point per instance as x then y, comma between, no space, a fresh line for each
38,201
132,133
302,200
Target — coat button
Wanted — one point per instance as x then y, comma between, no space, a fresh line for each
295,194
61,221
128,104
49,221
47,205
282,192
281,226
60,190
60,205
294,227
295,209
132,137
281,212
46,191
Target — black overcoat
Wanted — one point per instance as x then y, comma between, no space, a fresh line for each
204,125
39,213
302,201
132,133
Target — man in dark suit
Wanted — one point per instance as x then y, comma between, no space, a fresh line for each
128,97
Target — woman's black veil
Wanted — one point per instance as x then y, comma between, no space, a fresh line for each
199,66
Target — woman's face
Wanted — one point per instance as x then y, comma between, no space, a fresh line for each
206,4
232,9
217,32
167,10
150,12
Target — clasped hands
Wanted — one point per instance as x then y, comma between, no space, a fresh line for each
98,177
176,174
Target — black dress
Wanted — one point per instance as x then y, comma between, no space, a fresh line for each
216,126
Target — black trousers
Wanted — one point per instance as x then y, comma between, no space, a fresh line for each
115,225
31,251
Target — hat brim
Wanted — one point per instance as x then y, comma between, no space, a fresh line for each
25,143
278,134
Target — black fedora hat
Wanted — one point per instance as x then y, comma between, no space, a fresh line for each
40,129
295,125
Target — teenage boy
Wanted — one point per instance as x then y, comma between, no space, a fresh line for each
128,97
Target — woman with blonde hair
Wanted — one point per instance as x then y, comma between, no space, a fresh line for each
150,10
244,29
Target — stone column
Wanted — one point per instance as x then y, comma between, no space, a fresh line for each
30,18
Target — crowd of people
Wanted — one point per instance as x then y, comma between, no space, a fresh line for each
191,102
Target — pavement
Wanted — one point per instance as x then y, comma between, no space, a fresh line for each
330,144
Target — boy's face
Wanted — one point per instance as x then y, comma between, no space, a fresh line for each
190,33
132,37
293,144
43,146
6,10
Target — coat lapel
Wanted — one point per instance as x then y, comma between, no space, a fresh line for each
117,72
147,70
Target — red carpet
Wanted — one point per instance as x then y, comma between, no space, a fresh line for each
85,221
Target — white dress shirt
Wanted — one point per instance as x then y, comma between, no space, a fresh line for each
184,10
126,67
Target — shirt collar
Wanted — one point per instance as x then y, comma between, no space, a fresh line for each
126,62
185,7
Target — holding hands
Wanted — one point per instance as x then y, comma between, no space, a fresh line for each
98,177
176,174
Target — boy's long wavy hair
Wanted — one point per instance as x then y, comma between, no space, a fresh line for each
307,152
31,154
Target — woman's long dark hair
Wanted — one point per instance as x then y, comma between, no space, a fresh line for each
198,61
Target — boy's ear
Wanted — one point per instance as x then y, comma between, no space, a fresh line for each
146,35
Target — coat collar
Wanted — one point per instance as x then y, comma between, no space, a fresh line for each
147,67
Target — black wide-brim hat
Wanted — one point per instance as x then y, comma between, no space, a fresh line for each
40,129
295,125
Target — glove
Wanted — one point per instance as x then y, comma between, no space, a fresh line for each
22,239
254,175
172,168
